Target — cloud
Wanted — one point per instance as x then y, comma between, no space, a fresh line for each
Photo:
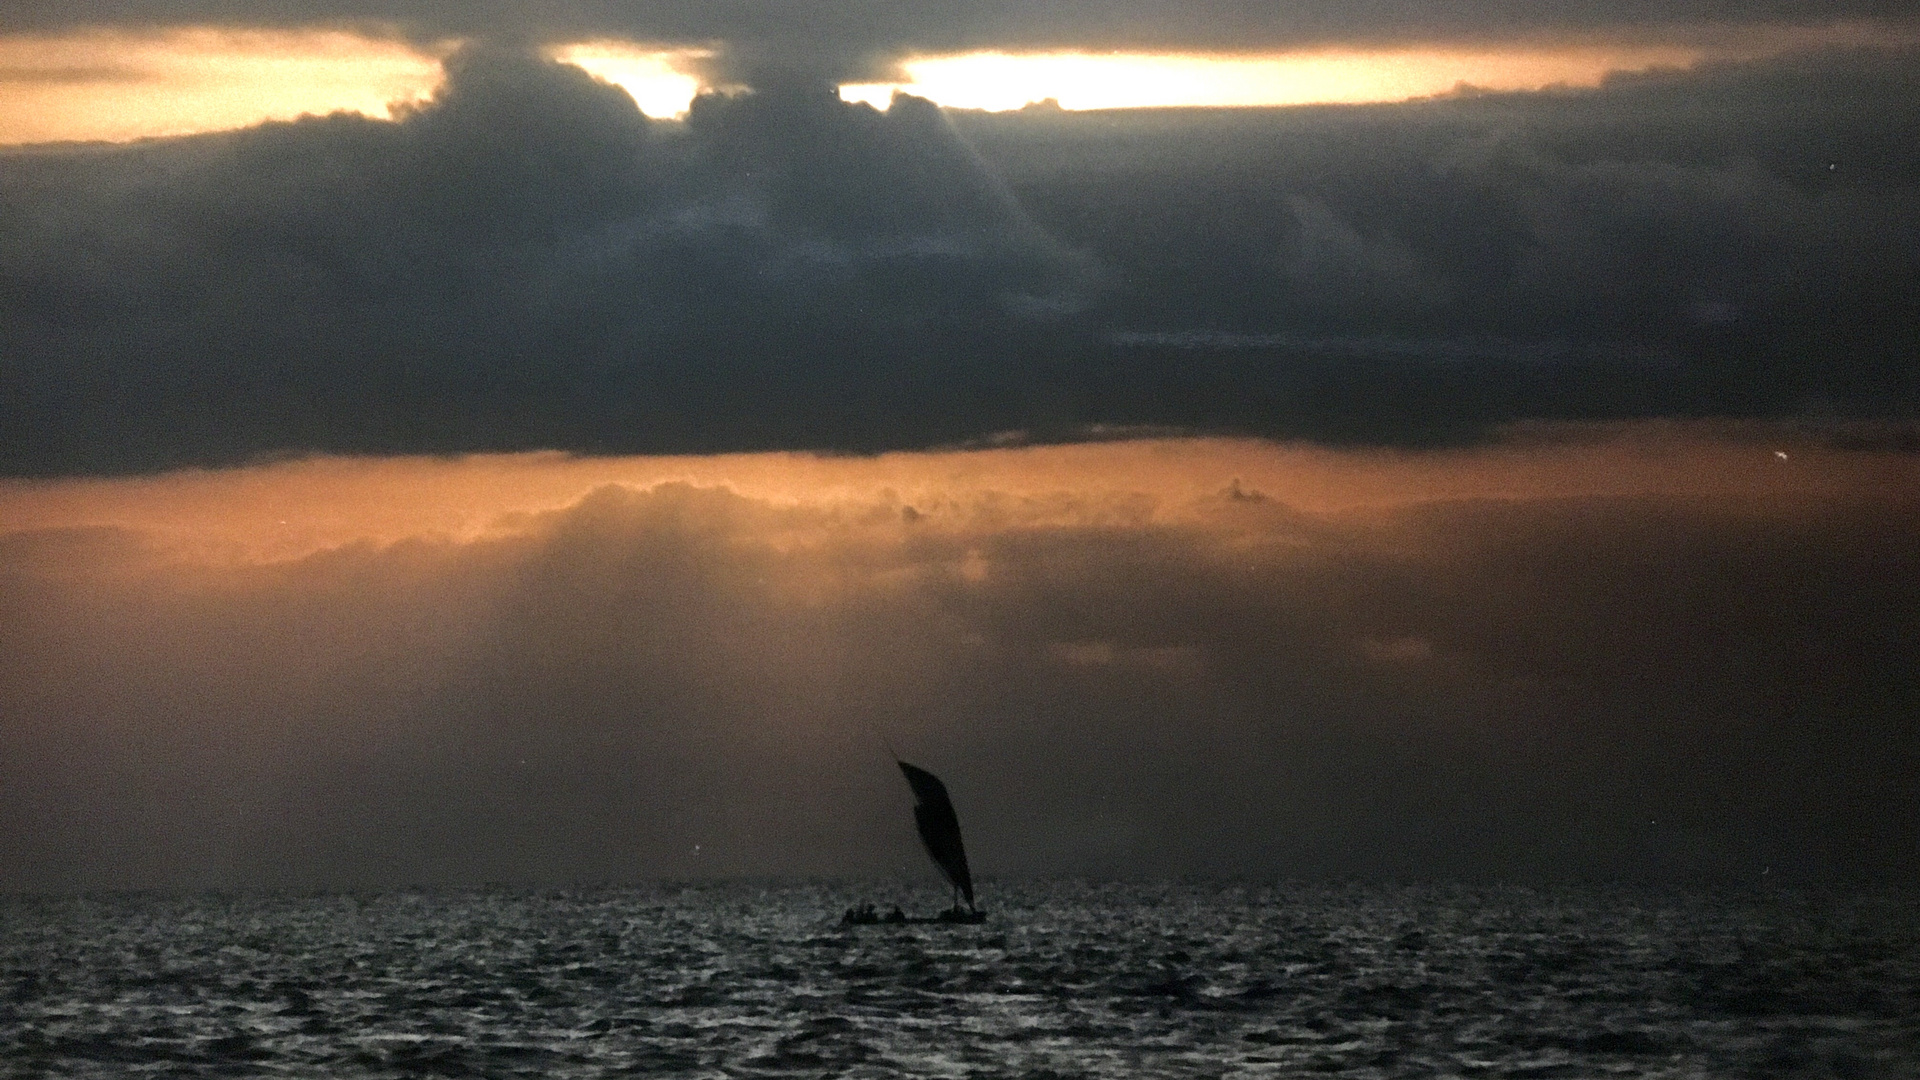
1734,239
1328,255
527,262
524,261
1499,662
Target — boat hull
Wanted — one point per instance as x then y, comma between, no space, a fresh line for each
945,918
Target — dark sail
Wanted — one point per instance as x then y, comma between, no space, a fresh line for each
939,827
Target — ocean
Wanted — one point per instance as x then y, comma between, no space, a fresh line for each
1066,979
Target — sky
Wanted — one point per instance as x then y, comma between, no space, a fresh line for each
569,442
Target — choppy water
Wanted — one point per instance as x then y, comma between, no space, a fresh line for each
1066,980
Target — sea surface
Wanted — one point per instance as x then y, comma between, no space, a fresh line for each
1065,980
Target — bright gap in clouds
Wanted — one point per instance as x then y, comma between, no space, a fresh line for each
120,85
662,82
659,80
998,81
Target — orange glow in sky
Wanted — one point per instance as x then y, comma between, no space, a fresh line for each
998,81
659,80
121,85
291,510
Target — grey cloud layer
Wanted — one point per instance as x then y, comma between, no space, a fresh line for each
528,262
1651,687
1750,231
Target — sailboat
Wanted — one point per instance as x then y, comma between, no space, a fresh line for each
940,833
939,828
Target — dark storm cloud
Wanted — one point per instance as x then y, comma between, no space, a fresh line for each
1689,662
528,262
1741,238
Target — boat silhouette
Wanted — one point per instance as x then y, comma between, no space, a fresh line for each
939,827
